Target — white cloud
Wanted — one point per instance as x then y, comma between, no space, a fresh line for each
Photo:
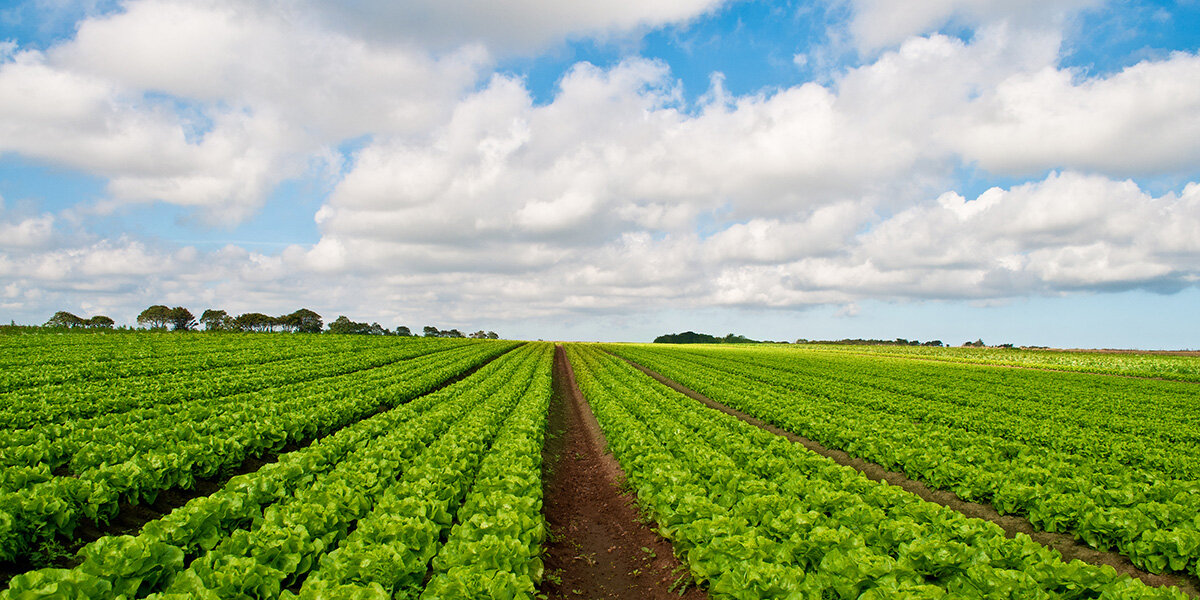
33,232
272,60
882,23
210,105
1143,120
518,26
468,200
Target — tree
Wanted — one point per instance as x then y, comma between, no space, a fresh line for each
100,322
254,322
479,335
182,319
288,322
64,319
216,320
344,325
155,317
303,321
492,335
431,331
454,333
403,331
687,337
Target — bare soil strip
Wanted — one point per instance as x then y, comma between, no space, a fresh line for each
598,546
1067,545
130,518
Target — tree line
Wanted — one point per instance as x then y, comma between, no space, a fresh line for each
691,337
65,320
301,321
179,318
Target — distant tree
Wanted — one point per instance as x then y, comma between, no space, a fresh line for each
975,344
687,337
64,319
403,331
431,331
937,343
182,319
155,317
344,325
100,322
303,321
254,322
478,335
288,322
492,335
454,333
216,320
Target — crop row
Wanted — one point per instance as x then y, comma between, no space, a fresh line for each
1062,475
134,460
757,516
364,508
144,355
68,444
64,404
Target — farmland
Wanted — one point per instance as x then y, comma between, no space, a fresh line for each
143,465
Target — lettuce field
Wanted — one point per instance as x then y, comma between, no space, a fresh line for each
178,466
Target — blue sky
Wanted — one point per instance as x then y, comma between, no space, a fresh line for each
1022,172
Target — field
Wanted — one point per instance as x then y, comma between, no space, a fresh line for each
173,466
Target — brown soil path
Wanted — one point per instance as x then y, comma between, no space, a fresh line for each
598,546
1066,544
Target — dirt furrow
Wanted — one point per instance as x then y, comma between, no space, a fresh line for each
598,546
1067,545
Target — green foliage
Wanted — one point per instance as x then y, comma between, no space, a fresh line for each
155,317
267,530
691,337
343,325
302,321
181,319
254,321
216,320
64,320
756,516
100,322
140,438
1025,441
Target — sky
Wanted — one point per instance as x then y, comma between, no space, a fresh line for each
1020,171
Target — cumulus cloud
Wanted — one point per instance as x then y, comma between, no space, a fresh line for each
466,199
1142,120
211,105
882,23
508,26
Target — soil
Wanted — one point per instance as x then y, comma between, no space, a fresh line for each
1067,545
599,546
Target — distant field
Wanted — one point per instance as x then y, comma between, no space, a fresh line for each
1182,366
174,466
